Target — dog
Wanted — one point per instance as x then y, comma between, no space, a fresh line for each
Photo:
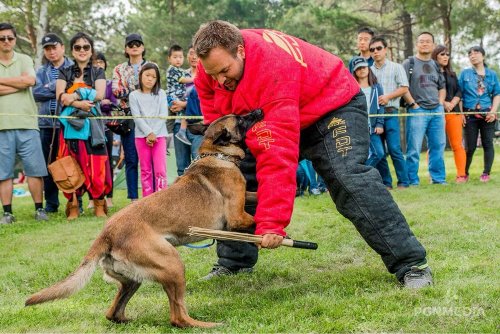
138,242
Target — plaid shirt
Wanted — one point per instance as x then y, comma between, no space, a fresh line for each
391,76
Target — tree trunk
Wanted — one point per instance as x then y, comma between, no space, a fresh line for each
446,18
29,27
41,30
407,33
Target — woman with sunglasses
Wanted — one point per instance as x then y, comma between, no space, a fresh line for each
481,98
82,87
454,122
125,81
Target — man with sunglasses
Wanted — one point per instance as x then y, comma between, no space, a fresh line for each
45,95
393,79
365,34
18,134
125,81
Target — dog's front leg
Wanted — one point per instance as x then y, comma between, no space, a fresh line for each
236,217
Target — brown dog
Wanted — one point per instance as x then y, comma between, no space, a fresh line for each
137,243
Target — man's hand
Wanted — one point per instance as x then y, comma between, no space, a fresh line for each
383,100
378,131
271,240
178,106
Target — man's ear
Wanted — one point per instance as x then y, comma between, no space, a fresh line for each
197,128
222,138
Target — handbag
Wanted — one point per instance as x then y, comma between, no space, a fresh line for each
66,173
121,127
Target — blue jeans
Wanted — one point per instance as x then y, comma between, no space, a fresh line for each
433,128
391,136
195,143
182,152
376,151
131,164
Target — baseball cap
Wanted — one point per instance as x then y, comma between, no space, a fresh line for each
133,37
51,39
358,62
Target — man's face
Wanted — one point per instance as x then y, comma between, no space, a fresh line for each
222,66
7,41
176,58
476,57
54,53
364,41
378,51
425,44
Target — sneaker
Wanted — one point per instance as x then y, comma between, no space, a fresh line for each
109,202
91,204
315,191
418,277
41,215
219,271
181,135
8,218
484,178
462,179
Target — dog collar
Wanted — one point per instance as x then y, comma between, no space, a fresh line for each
220,156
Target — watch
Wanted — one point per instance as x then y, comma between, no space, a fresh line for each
412,104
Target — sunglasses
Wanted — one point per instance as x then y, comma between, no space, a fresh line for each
78,48
378,48
134,44
447,54
7,38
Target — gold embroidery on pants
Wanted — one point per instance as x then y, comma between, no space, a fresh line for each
342,143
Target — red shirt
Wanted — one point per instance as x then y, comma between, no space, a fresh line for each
295,84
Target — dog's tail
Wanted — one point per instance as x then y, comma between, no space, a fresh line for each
76,280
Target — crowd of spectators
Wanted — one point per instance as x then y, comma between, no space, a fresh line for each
444,103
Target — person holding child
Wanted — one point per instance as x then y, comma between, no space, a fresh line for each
150,133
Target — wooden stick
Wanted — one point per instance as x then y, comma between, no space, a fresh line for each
245,237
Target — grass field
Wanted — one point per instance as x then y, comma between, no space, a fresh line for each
341,287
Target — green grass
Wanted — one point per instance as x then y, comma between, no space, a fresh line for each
341,287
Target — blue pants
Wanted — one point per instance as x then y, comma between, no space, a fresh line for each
433,128
131,165
392,139
376,152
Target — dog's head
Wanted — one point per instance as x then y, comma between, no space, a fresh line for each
228,130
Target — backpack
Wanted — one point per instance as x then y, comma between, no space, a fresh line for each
402,102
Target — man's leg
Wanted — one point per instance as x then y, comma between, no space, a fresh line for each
436,141
471,132
51,191
131,165
338,146
237,256
30,151
487,134
182,152
415,131
393,139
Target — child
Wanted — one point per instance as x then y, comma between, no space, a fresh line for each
372,90
150,133
177,79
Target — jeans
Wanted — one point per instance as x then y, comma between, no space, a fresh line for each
337,145
195,143
131,165
51,192
376,151
234,254
391,136
182,152
473,127
433,128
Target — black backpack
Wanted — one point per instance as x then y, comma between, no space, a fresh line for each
402,102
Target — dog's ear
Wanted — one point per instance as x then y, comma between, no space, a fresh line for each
222,138
197,128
